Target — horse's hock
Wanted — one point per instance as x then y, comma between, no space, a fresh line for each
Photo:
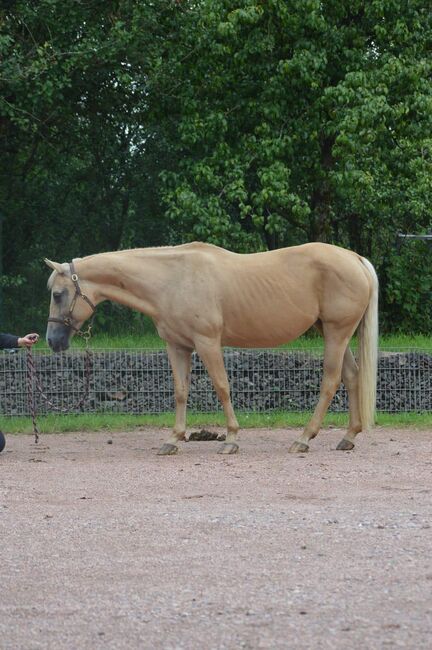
140,381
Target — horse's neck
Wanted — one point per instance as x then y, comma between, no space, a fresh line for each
134,279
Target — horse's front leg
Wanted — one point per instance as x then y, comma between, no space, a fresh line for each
180,359
211,353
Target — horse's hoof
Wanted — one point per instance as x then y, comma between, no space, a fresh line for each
167,449
2,441
298,448
345,445
228,448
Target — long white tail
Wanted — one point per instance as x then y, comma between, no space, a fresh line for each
368,354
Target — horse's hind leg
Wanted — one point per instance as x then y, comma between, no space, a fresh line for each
180,359
210,352
335,346
350,379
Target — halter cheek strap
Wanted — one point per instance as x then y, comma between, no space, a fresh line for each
78,291
68,320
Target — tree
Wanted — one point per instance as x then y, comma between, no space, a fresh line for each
79,166
299,121
248,124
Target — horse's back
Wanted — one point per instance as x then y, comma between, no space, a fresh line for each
267,298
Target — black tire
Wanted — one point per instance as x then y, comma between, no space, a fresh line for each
2,441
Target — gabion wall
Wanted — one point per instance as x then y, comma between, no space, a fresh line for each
140,381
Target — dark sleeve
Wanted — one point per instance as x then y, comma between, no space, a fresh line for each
8,341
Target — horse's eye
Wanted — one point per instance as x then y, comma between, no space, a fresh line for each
57,297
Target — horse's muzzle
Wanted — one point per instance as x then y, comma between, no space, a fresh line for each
58,338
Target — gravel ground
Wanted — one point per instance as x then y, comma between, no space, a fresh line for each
110,546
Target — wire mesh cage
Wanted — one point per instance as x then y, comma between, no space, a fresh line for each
140,381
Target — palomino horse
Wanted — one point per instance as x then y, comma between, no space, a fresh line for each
202,297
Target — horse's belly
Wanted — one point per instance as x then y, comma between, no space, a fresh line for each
262,335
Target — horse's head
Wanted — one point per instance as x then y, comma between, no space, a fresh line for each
72,303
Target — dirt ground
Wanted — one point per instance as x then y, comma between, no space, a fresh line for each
110,546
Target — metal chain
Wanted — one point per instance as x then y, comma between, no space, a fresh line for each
33,379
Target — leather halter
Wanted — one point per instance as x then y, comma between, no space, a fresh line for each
68,320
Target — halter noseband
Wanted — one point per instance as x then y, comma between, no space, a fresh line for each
67,320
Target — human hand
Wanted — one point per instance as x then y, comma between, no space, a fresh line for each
28,340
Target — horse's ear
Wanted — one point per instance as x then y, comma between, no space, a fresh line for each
54,265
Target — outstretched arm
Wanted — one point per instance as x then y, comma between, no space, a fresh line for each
11,341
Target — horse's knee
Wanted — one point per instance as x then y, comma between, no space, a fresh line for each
350,382
180,397
223,393
330,389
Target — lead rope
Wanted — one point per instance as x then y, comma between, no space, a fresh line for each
33,380
31,372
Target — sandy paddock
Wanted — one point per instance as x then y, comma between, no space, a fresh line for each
110,546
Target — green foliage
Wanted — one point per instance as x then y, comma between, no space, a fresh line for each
409,289
302,121
247,124
8,281
80,163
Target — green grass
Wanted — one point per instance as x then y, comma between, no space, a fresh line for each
120,422
403,341
105,341
393,342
